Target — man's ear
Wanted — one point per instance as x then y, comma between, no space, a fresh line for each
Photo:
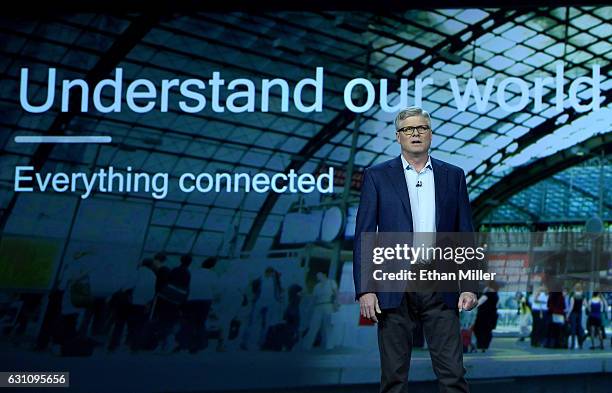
397,137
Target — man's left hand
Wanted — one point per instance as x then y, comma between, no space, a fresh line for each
467,301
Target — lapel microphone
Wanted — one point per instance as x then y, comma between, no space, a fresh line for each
419,183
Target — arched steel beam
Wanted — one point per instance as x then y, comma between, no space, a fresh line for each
345,117
538,132
524,176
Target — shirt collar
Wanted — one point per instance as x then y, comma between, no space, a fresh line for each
406,165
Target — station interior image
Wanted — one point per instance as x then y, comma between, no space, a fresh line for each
539,180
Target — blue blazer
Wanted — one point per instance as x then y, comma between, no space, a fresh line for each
385,207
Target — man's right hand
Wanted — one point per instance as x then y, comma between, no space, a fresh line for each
368,303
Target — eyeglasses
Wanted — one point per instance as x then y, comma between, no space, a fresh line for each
410,131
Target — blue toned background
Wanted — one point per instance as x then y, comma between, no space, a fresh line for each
277,255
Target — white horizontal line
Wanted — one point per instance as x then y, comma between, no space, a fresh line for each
63,139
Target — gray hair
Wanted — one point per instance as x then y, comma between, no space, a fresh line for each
411,111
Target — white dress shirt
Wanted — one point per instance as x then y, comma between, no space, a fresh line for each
144,286
423,197
203,284
324,291
540,302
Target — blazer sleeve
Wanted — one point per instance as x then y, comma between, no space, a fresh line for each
465,224
367,221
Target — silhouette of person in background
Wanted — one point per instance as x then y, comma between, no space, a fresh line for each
120,307
171,286
556,311
177,291
162,272
75,299
233,307
266,310
486,316
143,294
525,317
539,308
292,314
325,301
574,315
597,308
202,291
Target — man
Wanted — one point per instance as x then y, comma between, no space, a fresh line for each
415,193
202,291
177,292
540,317
267,308
324,296
172,288
143,295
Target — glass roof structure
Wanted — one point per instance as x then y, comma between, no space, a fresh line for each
441,44
568,197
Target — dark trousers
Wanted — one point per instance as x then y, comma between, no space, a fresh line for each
484,336
539,332
117,333
136,321
553,339
442,332
50,320
192,334
66,329
120,315
94,318
167,315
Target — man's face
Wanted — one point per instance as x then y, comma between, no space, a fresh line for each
413,141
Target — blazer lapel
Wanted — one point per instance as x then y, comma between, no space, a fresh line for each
441,184
398,179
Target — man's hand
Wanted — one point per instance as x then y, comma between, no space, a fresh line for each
368,303
467,301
